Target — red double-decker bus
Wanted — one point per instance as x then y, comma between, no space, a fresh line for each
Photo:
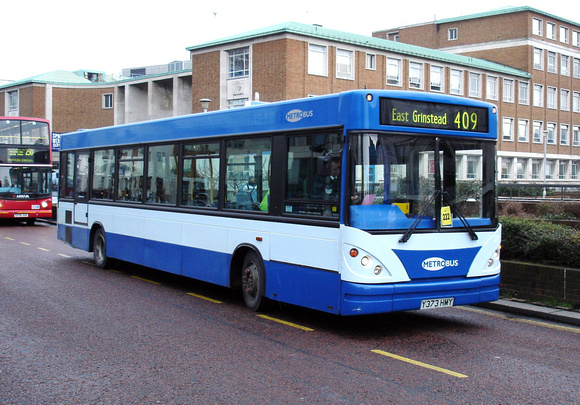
25,169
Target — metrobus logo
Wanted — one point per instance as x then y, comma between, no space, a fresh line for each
437,263
297,115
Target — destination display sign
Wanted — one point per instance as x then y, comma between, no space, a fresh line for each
23,156
422,114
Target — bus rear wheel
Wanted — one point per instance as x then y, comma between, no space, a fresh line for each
100,249
253,282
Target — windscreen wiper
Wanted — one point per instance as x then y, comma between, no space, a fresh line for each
415,223
449,201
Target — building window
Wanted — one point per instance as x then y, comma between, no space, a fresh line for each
565,100
393,72
573,170
13,102
536,166
474,85
575,38
552,68
576,136
521,168
538,95
537,26
452,34
415,75
577,68
508,90
506,168
522,130
239,63
524,93
492,89
456,81
472,167
317,60
549,169
565,65
371,61
551,30
551,98
562,170
107,101
576,102
538,58
508,129
537,137
436,78
344,64
564,134
564,34
551,136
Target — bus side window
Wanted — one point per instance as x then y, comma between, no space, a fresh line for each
248,173
201,174
313,174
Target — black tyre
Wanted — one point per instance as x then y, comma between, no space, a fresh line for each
253,282
100,249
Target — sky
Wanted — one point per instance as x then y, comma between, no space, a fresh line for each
40,36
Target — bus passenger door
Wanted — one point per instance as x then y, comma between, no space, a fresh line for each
81,189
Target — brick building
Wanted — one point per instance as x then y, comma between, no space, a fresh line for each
543,107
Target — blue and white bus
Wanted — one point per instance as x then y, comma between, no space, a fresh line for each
354,203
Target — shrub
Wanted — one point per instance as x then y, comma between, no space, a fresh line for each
540,242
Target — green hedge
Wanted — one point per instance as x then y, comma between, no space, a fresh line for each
540,242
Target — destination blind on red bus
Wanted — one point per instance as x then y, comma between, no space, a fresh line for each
421,114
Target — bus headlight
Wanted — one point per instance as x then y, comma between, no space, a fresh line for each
366,261
363,263
44,204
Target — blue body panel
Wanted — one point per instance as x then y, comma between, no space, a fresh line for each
361,299
295,284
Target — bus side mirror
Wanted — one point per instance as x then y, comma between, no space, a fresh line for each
323,166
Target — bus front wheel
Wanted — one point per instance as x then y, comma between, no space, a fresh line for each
253,282
100,249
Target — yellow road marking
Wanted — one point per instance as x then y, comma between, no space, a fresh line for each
294,325
205,298
521,320
420,364
7,237
144,279
24,243
63,255
43,249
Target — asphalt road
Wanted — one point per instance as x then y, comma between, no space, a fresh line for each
71,333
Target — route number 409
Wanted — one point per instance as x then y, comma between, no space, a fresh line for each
466,121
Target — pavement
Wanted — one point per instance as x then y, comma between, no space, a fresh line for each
536,311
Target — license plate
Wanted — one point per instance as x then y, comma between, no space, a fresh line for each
20,215
36,207
437,303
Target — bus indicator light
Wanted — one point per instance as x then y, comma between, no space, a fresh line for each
353,252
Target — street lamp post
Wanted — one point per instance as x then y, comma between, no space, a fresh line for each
545,132
205,104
